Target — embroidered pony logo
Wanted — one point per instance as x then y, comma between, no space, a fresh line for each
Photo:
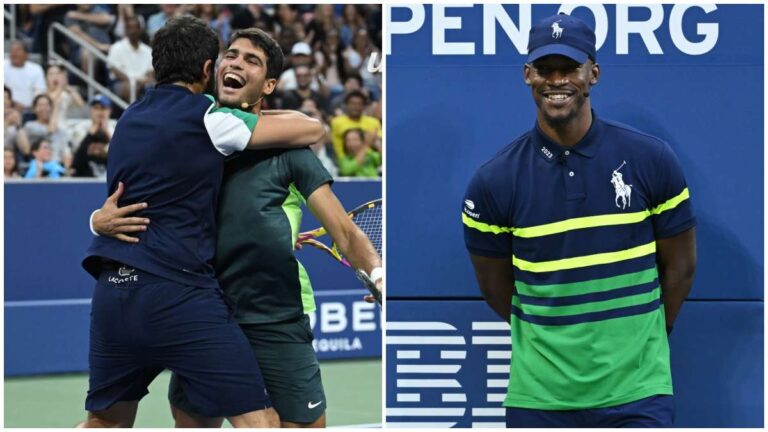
623,191
557,31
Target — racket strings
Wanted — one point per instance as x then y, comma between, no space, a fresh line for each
369,221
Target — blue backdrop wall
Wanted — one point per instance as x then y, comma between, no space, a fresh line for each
692,75
47,293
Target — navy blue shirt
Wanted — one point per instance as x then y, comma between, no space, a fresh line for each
580,227
169,150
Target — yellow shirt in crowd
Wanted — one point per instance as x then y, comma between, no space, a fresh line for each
342,123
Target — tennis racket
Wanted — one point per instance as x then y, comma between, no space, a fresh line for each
368,218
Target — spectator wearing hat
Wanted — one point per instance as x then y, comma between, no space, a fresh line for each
130,58
101,110
301,55
354,118
25,78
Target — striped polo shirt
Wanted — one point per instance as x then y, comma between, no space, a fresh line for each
580,227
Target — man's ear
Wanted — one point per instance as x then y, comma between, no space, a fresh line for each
527,74
207,72
595,74
269,86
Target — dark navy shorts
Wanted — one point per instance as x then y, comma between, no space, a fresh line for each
652,412
142,324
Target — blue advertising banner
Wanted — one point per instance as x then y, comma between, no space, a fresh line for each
47,293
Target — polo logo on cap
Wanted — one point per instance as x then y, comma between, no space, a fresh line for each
557,31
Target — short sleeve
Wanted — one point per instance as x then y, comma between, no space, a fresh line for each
487,231
307,172
671,209
230,130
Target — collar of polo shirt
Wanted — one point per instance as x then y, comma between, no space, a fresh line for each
587,147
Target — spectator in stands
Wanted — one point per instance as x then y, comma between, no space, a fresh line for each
62,94
329,59
292,99
92,23
25,78
359,159
125,11
324,20
43,165
352,83
351,21
158,20
252,15
301,55
101,110
218,18
320,148
130,58
45,127
13,122
286,15
10,168
44,16
362,50
354,119
91,156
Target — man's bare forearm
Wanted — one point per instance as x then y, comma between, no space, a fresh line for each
497,283
676,260
358,250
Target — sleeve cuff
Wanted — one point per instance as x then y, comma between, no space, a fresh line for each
90,223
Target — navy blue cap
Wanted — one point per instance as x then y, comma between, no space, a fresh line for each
563,35
101,100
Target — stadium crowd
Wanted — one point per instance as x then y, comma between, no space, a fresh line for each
53,131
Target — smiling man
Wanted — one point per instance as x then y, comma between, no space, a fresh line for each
258,218
157,303
581,234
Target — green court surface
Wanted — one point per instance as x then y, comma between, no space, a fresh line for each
352,387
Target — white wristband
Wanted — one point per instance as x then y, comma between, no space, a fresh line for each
377,273
90,223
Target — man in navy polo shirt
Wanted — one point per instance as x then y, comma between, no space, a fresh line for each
157,303
581,234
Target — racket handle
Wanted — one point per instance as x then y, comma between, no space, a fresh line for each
374,290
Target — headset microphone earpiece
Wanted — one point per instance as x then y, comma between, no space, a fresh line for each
245,105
